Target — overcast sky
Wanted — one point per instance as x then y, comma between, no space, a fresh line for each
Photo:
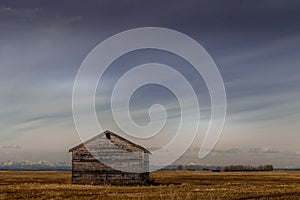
255,45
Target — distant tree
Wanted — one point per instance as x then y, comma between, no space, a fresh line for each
233,168
269,167
180,167
191,167
218,168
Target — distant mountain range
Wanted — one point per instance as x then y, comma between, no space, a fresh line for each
28,165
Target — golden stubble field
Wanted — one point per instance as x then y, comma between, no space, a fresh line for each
168,185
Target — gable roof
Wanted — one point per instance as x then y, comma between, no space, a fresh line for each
105,132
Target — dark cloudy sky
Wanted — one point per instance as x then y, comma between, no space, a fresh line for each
255,45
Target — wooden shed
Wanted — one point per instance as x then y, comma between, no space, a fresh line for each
109,158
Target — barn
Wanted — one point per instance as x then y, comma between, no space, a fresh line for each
109,159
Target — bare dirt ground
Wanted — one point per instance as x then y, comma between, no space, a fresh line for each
168,185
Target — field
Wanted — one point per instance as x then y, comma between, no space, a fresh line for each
168,185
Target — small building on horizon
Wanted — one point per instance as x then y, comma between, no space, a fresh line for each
109,159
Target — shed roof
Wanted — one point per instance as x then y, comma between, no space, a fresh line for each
105,132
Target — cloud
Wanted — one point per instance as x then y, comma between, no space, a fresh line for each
6,9
263,150
17,15
11,146
227,151
269,80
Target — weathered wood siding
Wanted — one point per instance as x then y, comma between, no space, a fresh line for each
95,178
89,162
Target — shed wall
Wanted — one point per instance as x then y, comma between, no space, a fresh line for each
87,169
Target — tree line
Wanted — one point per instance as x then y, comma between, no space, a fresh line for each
235,168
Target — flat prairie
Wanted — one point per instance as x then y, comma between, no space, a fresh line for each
166,185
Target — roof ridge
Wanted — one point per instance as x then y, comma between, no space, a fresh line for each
110,132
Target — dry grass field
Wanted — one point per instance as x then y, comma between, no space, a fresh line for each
168,185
